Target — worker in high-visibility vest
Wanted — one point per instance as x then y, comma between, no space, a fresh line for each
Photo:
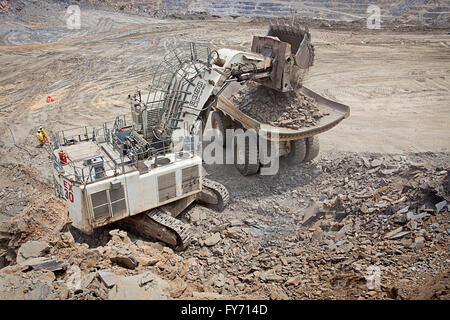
44,135
40,137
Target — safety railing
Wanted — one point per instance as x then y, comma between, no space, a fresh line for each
113,166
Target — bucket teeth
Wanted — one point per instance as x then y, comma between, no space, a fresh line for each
300,40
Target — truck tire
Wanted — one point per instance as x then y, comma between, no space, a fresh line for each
218,124
298,151
312,148
243,155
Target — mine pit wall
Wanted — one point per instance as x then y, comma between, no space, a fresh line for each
424,10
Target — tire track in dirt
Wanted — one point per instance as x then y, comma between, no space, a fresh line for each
397,92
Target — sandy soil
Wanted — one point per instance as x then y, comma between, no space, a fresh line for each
397,86
395,83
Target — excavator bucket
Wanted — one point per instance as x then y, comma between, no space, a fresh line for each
300,41
291,51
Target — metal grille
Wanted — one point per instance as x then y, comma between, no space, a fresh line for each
115,195
152,117
107,203
119,207
167,187
100,204
99,198
171,87
101,212
118,203
190,178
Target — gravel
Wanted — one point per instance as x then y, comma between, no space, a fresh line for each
281,109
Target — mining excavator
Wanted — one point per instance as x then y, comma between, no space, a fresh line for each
144,171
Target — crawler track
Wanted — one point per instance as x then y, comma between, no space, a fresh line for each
220,192
158,225
161,226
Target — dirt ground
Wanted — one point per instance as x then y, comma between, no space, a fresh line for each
396,84
397,87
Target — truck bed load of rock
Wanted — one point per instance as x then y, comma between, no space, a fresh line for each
291,110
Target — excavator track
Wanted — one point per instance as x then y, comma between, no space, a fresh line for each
161,226
183,231
220,192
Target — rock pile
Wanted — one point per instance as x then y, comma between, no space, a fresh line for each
345,226
288,110
349,226
42,220
39,262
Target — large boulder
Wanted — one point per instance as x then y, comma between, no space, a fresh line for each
145,286
42,220
32,249
126,261
108,278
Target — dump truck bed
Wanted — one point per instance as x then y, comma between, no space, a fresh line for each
336,112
